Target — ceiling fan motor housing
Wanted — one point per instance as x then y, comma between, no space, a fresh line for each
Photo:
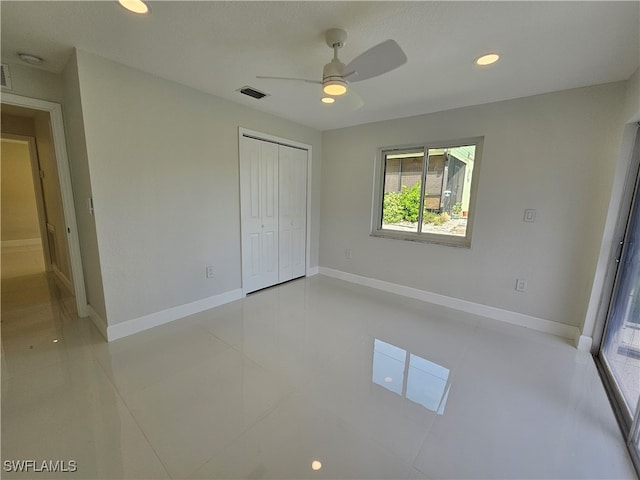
333,82
336,37
333,69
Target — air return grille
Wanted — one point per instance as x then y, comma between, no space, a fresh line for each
5,76
252,92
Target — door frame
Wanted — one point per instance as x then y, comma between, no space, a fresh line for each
34,164
66,191
630,199
245,132
617,217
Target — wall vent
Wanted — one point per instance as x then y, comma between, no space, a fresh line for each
5,76
252,92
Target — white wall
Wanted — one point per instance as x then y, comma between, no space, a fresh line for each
80,178
554,153
35,83
632,100
163,164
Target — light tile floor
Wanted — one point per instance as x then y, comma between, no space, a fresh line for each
370,384
18,261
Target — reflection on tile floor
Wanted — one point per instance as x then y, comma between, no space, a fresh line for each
365,384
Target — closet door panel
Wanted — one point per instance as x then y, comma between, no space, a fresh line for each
286,187
259,213
299,214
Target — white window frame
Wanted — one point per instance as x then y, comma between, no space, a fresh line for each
426,237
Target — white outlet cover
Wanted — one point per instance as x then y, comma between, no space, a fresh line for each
529,215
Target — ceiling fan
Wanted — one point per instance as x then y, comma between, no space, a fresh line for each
380,59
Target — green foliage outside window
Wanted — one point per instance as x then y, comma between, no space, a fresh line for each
405,206
402,205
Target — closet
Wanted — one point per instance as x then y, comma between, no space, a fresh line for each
273,211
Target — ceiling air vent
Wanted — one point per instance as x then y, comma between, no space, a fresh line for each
5,76
252,92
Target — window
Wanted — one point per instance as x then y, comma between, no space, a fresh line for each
415,378
427,193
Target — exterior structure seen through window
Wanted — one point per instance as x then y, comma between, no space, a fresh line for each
427,193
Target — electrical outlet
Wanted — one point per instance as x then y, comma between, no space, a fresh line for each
521,285
529,215
209,271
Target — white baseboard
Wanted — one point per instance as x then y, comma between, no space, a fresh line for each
313,271
98,321
135,325
63,279
25,242
528,321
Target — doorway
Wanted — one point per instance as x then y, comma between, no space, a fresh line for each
39,123
24,247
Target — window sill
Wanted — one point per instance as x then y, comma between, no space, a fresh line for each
446,240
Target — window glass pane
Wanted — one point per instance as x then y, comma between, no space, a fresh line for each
448,193
392,177
427,383
401,200
621,346
388,366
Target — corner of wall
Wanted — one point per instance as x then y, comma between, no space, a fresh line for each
632,98
98,321
81,183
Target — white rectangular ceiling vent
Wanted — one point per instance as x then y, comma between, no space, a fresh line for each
5,76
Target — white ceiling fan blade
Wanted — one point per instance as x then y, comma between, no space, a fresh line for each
380,59
289,78
352,100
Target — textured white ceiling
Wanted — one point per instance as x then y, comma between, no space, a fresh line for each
218,47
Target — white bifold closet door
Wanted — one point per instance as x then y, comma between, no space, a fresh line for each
273,197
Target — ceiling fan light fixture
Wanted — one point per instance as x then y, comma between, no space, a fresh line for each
487,59
327,100
135,6
334,87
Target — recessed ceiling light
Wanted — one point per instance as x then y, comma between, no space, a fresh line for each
135,6
55,340
30,58
327,100
316,465
487,59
